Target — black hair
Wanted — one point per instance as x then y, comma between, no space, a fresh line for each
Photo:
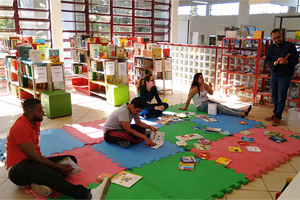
143,81
195,82
29,105
138,102
275,31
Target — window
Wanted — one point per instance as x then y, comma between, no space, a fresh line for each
298,10
184,10
266,8
221,9
201,10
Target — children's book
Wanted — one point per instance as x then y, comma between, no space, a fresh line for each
69,161
202,116
126,179
247,139
243,122
187,137
224,161
197,127
186,166
202,147
240,142
210,119
225,132
277,139
235,149
260,126
181,143
158,139
204,141
246,132
181,115
295,136
188,159
273,133
204,155
210,129
189,113
253,149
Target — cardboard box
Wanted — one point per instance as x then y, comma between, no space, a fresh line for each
147,53
258,34
231,34
156,52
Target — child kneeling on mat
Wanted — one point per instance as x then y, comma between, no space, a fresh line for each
117,128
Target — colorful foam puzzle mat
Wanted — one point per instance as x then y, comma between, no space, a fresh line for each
159,167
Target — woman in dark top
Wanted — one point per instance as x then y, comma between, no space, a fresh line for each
146,89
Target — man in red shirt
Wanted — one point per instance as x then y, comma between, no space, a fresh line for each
26,166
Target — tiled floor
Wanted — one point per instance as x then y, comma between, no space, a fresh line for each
86,108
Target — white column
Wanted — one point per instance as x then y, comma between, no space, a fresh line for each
174,20
56,27
243,17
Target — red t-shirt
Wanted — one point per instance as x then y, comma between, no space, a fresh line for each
21,132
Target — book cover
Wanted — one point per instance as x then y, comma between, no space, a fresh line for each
42,50
277,139
295,136
93,49
240,142
35,55
210,119
202,147
157,138
189,113
187,137
243,122
181,144
138,49
204,155
210,129
126,179
253,149
69,161
204,141
52,55
111,51
246,132
120,53
235,149
273,133
247,139
202,116
188,159
181,115
224,161
186,166
24,52
197,127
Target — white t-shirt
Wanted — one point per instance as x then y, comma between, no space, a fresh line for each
114,121
198,100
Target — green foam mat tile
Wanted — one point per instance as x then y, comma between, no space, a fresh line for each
191,108
208,180
186,127
140,190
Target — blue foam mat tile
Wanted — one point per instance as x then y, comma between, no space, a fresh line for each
2,150
57,141
135,155
227,122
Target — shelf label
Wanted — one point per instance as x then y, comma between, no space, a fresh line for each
110,68
57,73
168,65
158,65
40,74
122,69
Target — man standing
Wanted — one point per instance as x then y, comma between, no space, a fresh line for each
281,57
26,166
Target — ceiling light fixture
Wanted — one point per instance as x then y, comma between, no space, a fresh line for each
201,2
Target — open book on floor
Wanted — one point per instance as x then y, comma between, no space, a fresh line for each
126,179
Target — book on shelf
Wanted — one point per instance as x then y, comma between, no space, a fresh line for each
42,50
253,149
69,161
126,179
186,166
224,161
235,149
187,137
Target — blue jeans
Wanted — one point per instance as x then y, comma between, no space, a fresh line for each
220,109
153,112
279,89
28,171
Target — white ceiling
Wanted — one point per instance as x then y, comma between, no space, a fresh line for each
280,2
